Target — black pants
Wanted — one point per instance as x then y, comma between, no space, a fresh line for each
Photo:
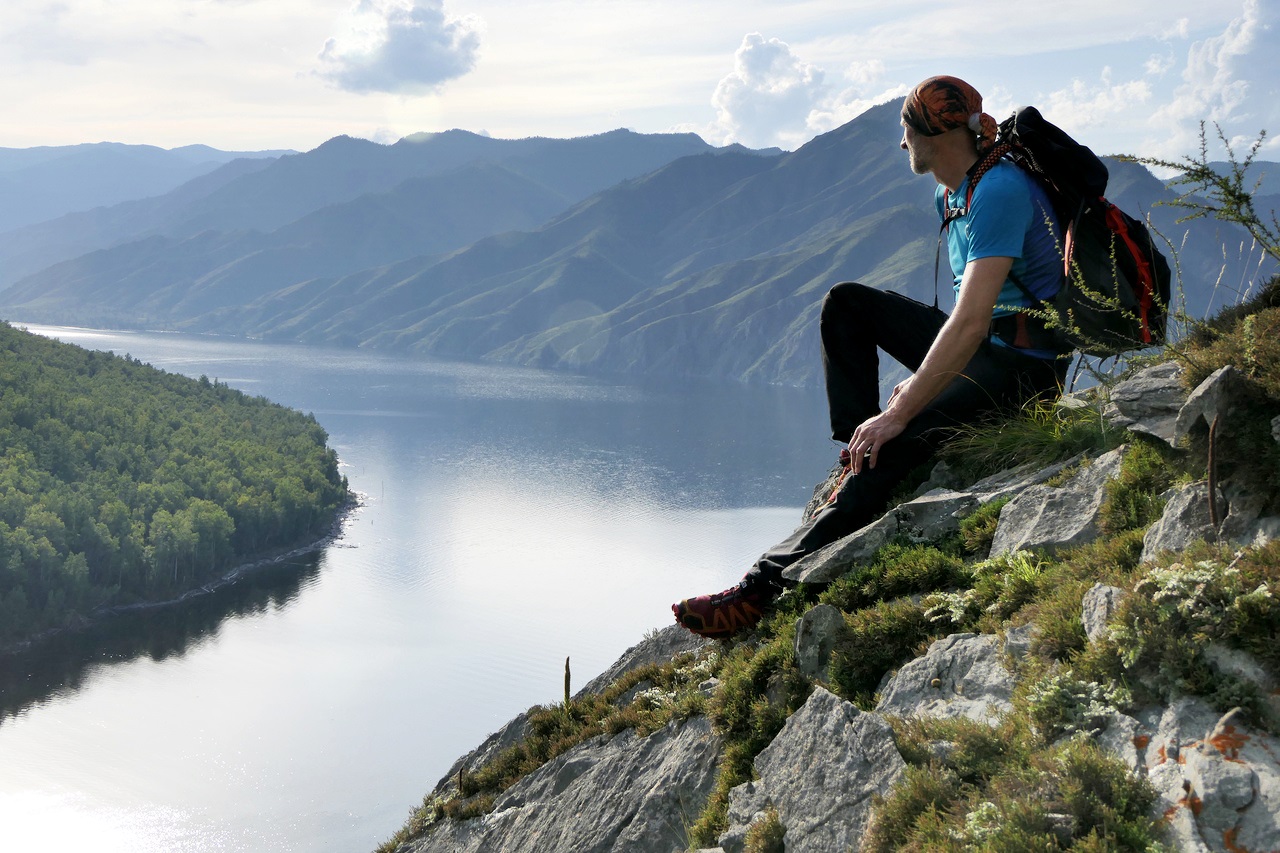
857,321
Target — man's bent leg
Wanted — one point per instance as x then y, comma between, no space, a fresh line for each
995,378
856,321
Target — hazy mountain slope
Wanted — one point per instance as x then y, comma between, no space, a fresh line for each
37,184
32,248
708,266
160,277
343,169
713,265
600,254
340,171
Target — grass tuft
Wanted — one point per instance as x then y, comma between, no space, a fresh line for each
766,835
1041,434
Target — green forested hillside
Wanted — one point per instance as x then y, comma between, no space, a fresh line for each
121,483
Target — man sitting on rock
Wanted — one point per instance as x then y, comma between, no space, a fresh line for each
986,356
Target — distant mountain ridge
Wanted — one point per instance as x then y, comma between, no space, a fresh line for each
265,196
711,265
42,183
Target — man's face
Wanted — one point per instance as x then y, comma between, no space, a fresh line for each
919,149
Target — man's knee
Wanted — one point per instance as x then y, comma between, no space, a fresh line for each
842,298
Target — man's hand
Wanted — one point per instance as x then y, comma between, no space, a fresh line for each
955,344
872,435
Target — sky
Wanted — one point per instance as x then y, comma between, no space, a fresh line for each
1137,76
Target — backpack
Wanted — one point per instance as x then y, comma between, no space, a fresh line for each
1115,291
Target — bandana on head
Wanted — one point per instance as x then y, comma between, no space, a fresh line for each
944,103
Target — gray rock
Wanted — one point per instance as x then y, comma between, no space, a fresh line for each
1184,520
823,771
1244,524
659,647
816,635
831,561
1275,428
1100,603
822,492
630,696
1218,779
1238,664
1148,402
941,477
625,793
1214,397
1014,481
1018,640
1244,503
1063,827
927,517
1121,738
922,519
960,676
1262,531
1046,516
747,804
1224,787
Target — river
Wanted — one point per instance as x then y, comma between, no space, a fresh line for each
509,519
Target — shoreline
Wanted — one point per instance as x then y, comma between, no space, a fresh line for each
103,613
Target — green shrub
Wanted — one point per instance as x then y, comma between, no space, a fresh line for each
979,529
876,640
1132,500
917,803
1062,704
1160,634
897,570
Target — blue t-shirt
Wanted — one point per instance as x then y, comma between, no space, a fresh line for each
1009,216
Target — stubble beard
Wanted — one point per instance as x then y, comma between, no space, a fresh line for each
918,159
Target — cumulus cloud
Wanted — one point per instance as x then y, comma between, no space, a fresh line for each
767,98
866,89
775,97
1230,79
1157,65
1082,105
400,46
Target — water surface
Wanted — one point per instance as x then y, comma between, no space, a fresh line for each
509,518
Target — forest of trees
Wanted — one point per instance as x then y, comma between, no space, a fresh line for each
120,483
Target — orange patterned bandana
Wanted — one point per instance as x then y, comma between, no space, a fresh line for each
940,104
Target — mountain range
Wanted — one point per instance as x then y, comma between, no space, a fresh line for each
622,253
247,199
42,183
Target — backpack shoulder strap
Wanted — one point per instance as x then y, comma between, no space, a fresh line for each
976,171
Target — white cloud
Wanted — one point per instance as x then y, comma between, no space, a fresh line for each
1157,65
767,98
1084,105
864,73
1229,79
866,89
1180,29
400,46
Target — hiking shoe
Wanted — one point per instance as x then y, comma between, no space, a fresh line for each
726,613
